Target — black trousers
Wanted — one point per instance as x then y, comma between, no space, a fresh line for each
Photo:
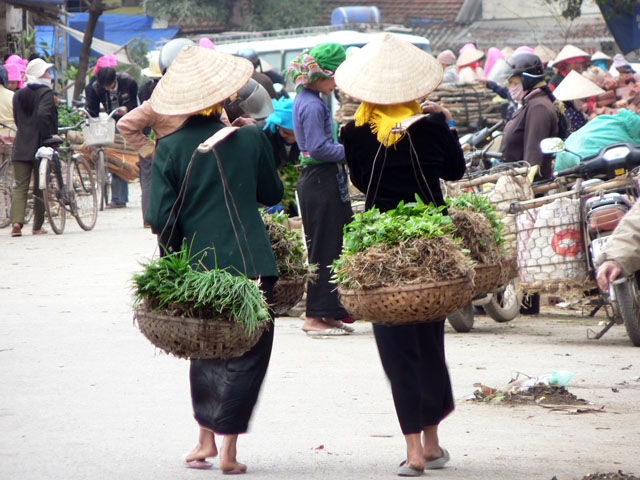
414,360
323,217
224,392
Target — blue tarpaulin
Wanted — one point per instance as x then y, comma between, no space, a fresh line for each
114,28
624,28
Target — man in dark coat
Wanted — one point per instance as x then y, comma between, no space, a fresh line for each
36,117
113,90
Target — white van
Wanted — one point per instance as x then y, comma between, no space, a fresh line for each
279,48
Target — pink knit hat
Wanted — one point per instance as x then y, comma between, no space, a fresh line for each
524,49
13,72
105,61
493,55
206,43
17,61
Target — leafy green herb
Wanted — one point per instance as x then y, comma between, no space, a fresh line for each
480,204
179,283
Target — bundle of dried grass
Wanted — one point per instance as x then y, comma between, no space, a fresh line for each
288,249
415,261
476,235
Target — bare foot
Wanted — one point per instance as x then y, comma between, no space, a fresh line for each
229,465
235,468
314,323
206,447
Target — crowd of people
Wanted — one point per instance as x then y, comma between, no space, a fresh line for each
186,195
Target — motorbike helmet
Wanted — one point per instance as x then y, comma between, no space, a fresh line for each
250,54
252,100
170,51
528,66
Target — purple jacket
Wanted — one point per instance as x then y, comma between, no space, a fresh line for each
312,127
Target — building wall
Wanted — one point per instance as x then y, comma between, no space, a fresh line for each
525,8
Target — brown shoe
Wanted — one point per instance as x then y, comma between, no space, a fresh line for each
147,225
16,231
41,231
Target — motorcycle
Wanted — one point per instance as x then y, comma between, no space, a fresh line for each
607,185
477,148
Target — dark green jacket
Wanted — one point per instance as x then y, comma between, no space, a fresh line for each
203,218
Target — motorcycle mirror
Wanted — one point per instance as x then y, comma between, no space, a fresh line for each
552,145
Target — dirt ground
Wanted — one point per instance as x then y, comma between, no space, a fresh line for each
84,395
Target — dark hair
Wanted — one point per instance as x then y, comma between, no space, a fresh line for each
106,76
33,56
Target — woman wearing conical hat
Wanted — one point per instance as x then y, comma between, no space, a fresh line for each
388,76
570,58
223,391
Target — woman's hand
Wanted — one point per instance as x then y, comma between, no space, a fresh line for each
607,273
432,107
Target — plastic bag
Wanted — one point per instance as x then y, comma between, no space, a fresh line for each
599,132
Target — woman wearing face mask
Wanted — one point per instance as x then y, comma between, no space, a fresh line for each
535,120
578,95
36,117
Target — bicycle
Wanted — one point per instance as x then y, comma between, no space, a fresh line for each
99,132
76,194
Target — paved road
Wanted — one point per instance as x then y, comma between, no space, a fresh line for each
85,396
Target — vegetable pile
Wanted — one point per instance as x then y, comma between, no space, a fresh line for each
478,227
68,116
410,244
287,247
172,284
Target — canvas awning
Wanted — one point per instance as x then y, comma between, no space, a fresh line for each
101,46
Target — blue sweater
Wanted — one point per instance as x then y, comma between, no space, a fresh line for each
312,127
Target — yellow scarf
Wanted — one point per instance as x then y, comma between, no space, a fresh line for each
383,118
215,110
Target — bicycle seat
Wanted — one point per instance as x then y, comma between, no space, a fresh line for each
52,142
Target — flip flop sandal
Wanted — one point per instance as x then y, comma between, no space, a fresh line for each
347,328
405,470
196,464
327,332
439,462
235,471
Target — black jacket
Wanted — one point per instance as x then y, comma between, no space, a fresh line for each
438,153
280,154
33,127
125,94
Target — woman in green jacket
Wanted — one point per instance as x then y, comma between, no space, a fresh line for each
223,392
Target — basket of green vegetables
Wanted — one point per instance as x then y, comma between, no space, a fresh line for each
480,232
402,266
289,253
191,312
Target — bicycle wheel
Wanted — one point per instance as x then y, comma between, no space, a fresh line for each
6,191
85,202
101,180
51,193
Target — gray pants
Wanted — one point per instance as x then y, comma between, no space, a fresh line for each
22,172
145,180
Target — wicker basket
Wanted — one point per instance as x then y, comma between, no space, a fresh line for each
425,302
487,278
287,293
193,337
509,270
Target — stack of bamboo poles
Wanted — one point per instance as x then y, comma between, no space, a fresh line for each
468,104
121,158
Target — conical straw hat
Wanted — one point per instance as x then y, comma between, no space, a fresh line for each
387,71
575,86
600,56
507,52
197,79
568,52
544,53
468,56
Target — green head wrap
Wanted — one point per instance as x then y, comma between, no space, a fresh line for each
329,56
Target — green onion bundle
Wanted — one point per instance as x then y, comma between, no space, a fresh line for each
171,283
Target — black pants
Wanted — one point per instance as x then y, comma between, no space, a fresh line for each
323,217
413,359
224,392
